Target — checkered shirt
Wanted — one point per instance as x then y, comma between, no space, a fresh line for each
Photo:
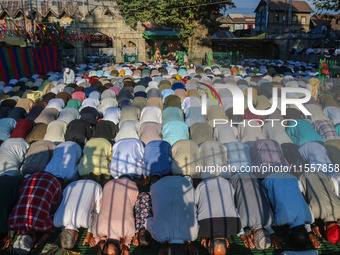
326,129
32,212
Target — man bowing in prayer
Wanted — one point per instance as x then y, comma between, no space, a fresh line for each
79,209
174,223
255,212
33,212
116,223
318,190
217,216
290,208
9,195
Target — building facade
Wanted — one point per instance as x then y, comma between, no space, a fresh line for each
235,22
272,16
82,17
161,42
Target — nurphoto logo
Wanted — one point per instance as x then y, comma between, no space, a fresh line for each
238,103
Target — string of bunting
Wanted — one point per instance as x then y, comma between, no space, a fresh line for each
50,35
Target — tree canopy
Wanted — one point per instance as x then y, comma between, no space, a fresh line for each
183,14
327,5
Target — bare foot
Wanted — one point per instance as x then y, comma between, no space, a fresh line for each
314,241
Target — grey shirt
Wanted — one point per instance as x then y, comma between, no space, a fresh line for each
216,211
275,131
252,202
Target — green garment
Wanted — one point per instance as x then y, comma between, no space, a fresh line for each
53,249
74,103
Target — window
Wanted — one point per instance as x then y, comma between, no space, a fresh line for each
276,18
303,20
238,26
294,20
284,18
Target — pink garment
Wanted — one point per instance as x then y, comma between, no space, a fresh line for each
155,101
249,115
115,89
181,93
150,131
116,219
79,95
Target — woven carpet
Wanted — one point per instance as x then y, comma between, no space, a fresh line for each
236,246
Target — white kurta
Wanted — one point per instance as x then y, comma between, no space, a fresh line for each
335,177
68,114
127,158
80,206
69,78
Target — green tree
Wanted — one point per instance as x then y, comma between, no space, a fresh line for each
196,19
327,5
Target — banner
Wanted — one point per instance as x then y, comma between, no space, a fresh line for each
16,63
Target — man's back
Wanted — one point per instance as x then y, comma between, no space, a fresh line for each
174,210
217,214
80,198
251,201
37,195
319,193
116,220
287,200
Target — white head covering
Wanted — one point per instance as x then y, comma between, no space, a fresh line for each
56,103
56,90
151,114
190,102
90,102
106,103
112,114
23,244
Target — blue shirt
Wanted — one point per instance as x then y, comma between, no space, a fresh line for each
314,153
6,127
287,201
174,131
157,158
238,154
333,114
